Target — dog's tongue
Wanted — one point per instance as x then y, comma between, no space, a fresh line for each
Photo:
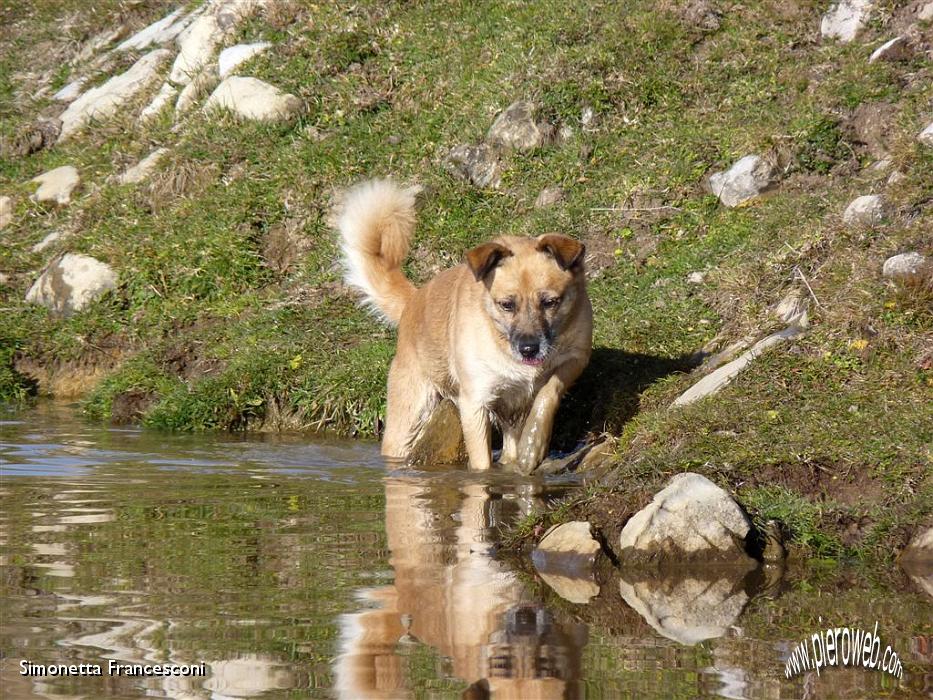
534,362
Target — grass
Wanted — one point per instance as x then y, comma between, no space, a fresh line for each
214,336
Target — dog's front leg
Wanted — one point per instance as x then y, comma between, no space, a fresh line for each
536,435
474,418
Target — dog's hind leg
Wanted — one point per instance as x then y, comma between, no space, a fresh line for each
411,400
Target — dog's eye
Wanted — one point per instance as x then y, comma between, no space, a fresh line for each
507,305
550,303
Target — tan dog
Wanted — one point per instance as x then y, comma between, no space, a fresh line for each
502,336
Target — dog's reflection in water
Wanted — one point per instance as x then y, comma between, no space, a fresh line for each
450,594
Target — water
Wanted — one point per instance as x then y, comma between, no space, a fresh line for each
295,569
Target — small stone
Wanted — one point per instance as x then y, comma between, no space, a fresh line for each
845,19
251,98
587,116
165,95
105,100
722,376
696,277
904,267
71,282
866,210
70,92
749,177
57,185
46,242
897,49
896,177
233,56
143,169
516,129
549,196
478,165
394,140
565,558
4,279
925,14
926,136
690,520
6,211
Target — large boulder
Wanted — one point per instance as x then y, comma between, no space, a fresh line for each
57,185
691,521
745,180
565,558
105,100
251,98
198,42
845,19
71,282
688,610
517,129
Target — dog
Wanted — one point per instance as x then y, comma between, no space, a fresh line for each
502,335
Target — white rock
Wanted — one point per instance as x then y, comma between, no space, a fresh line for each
4,278
686,610
792,310
896,177
897,49
202,37
105,100
142,169
746,179
6,211
845,19
549,196
926,136
71,282
233,56
903,267
96,43
57,185
920,548
690,516
696,277
251,98
723,376
926,12
865,210
205,81
46,242
564,559
165,95
159,32
70,92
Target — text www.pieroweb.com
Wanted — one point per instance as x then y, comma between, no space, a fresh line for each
842,646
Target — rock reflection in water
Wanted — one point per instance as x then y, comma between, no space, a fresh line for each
450,594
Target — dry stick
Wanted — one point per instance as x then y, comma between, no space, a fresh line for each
799,273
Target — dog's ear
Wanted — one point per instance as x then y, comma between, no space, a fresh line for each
566,251
484,258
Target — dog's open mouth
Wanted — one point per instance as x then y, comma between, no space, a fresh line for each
533,361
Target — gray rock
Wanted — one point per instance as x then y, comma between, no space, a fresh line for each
565,558
105,100
478,165
926,136
687,610
745,180
165,95
233,56
70,92
792,310
904,267
696,277
690,521
723,376
98,42
6,211
896,177
159,32
143,169
57,185
251,98
197,43
925,13
517,129
866,210
71,282
47,241
920,549
549,196
845,19
897,49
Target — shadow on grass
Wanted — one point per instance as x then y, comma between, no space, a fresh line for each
609,392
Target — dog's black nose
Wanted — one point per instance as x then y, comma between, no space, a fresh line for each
529,348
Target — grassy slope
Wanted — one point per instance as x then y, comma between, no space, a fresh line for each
831,433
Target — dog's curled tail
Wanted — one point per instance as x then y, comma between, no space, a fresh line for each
376,222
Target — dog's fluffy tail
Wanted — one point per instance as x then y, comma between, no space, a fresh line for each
376,222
